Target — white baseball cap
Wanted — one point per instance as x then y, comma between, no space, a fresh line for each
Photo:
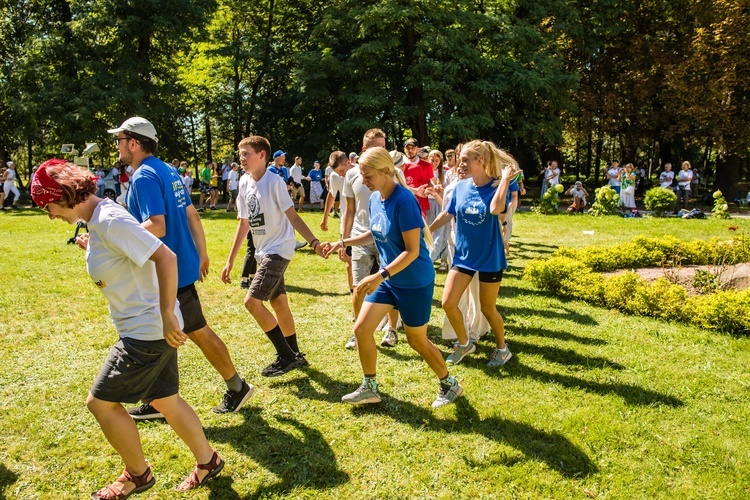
137,125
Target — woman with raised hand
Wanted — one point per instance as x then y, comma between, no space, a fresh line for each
405,281
476,203
138,275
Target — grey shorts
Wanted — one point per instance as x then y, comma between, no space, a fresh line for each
138,370
364,262
190,307
268,282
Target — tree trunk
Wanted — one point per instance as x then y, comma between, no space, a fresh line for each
589,148
728,175
209,140
599,144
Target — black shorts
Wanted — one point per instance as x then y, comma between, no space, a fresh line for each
484,277
138,370
190,307
338,196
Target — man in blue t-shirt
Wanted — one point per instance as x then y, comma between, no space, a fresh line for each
158,200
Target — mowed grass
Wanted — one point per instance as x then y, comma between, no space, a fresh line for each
594,403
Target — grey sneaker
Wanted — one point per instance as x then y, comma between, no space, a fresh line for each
351,343
390,339
300,244
365,393
460,353
500,357
449,396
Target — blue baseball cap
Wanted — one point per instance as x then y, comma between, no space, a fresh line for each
278,153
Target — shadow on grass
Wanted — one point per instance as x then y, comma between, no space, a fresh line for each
307,461
314,292
568,314
555,334
330,390
552,448
7,478
631,394
565,356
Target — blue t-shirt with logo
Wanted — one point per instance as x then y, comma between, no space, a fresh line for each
388,219
157,189
315,175
479,245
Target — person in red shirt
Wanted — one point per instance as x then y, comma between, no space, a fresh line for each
418,173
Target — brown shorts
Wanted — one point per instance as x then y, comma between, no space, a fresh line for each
269,278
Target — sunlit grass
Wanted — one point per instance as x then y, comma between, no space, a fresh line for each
594,402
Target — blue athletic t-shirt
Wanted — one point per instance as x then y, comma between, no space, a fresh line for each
156,189
479,245
513,187
315,175
388,219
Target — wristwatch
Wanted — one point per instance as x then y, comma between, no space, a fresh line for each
384,273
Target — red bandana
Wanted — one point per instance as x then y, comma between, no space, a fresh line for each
44,189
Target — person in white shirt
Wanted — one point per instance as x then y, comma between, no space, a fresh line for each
684,178
613,176
579,194
666,177
137,274
233,180
9,184
297,190
553,175
340,164
264,207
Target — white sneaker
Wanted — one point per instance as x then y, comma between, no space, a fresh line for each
390,338
351,343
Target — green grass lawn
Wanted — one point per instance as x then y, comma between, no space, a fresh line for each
594,403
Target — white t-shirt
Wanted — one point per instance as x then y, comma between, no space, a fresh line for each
296,173
553,177
665,179
234,179
115,174
328,172
263,204
578,193
353,188
225,169
614,181
188,182
684,177
117,259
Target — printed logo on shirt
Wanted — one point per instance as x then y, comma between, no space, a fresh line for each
101,284
379,225
253,209
474,211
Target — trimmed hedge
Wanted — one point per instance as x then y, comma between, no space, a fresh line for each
727,311
656,252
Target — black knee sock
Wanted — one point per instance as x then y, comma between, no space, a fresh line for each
279,342
292,341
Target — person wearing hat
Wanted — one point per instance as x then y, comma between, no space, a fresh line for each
159,201
9,184
137,274
579,194
279,164
418,173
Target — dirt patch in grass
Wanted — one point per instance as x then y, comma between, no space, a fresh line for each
736,277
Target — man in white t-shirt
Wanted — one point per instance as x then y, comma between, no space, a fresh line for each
297,190
667,177
233,185
340,166
264,207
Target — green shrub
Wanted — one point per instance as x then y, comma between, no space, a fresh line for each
656,252
606,202
725,311
550,200
660,200
564,276
554,274
721,209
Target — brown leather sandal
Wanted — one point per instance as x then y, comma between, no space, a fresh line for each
213,467
110,492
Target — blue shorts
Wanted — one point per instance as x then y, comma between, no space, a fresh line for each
414,304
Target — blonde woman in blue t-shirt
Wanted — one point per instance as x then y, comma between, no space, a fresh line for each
406,280
476,203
